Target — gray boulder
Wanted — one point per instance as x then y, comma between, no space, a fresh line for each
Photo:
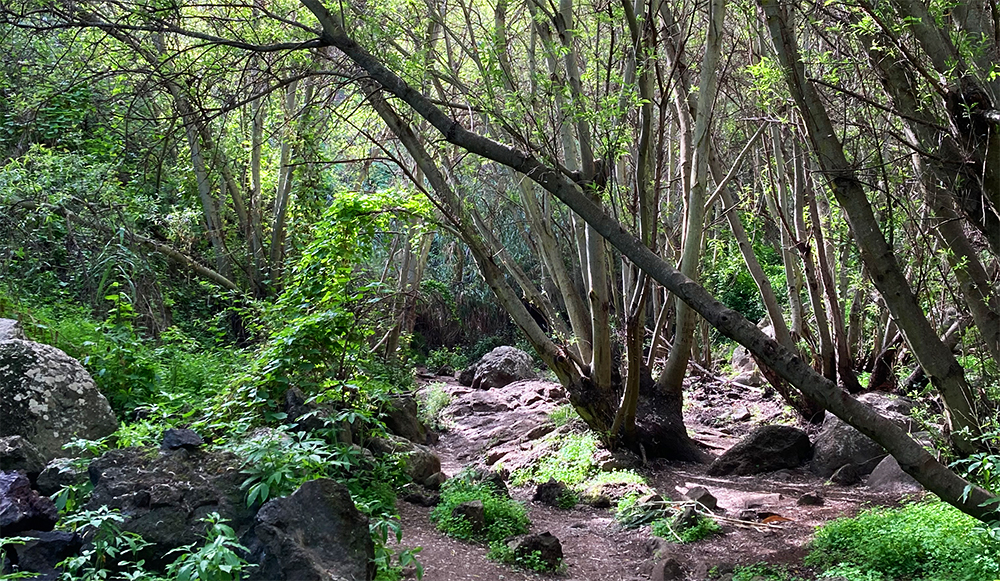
419,462
888,476
11,329
401,419
839,444
316,534
166,495
502,366
23,509
49,398
765,449
18,455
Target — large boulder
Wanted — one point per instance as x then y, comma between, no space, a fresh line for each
49,398
502,366
401,419
839,444
23,509
59,473
41,553
765,449
888,476
419,462
165,495
309,416
316,534
19,455
11,329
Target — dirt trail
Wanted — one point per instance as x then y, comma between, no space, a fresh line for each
484,426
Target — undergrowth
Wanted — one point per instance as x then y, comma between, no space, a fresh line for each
928,541
503,517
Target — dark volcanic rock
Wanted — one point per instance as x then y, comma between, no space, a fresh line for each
166,495
551,493
702,496
545,546
838,443
23,509
316,534
43,552
59,473
473,512
847,475
765,449
176,438
401,419
17,454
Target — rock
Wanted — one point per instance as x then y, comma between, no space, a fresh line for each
667,570
176,438
419,462
49,398
18,455
43,552
59,473
888,476
742,361
752,378
413,494
467,376
308,416
473,513
740,414
401,419
316,534
846,475
810,499
838,443
23,509
434,481
702,496
551,493
11,329
544,546
166,495
502,366
686,519
765,449
492,479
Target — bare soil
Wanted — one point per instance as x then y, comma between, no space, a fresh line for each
503,427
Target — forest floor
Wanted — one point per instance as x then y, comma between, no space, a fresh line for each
484,426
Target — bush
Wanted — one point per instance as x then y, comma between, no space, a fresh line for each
430,405
926,541
504,517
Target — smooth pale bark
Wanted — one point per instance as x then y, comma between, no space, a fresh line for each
980,296
937,360
283,192
911,455
672,378
776,204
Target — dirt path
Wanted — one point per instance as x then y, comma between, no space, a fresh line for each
487,425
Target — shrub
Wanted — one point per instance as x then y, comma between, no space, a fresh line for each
431,403
926,541
571,462
504,517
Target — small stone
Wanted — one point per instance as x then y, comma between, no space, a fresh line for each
702,496
740,414
176,438
667,570
543,545
550,493
810,499
846,475
472,511
434,481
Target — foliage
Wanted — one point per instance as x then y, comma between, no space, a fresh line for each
760,572
570,460
925,541
432,402
445,361
504,517
217,560
634,510
563,415
702,528
278,461
381,528
110,547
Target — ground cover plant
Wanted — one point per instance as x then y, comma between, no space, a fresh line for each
925,541
503,516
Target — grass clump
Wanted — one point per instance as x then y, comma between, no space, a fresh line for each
563,415
504,517
929,541
758,572
570,461
702,528
431,404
